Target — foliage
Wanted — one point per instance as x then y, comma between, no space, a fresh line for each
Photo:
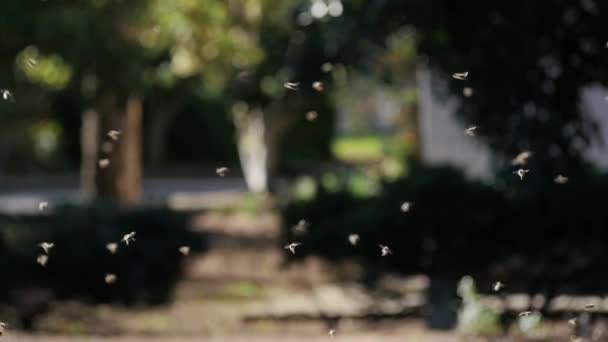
147,269
474,317
527,63
457,226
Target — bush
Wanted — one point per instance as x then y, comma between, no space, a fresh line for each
147,269
544,240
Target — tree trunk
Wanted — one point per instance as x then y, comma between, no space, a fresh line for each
89,144
441,302
157,140
120,180
252,148
163,116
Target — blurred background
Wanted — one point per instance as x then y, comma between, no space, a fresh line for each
222,131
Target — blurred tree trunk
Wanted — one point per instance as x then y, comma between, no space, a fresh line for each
252,148
258,141
412,128
89,144
163,116
120,181
278,120
440,304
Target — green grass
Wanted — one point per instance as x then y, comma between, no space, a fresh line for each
358,148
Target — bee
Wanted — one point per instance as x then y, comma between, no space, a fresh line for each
42,259
6,94
103,163
521,173
110,278
463,76
559,179
385,250
318,86
354,239
46,246
42,205
222,171
498,286
292,247
300,228
112,247
292,85
521,158
114,134
406,206
312,115
128,238
471,131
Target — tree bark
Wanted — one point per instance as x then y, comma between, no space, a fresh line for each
253,150
163,116
89,144
259,135
120,181
130,170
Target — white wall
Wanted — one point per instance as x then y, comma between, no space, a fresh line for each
442,137
443,140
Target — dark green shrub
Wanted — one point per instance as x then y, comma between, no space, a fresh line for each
544,240
147,269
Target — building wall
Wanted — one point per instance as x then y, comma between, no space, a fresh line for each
442,138
441,135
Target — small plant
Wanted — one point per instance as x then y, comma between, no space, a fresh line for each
474,317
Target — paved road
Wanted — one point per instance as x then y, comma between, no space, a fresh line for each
415,335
